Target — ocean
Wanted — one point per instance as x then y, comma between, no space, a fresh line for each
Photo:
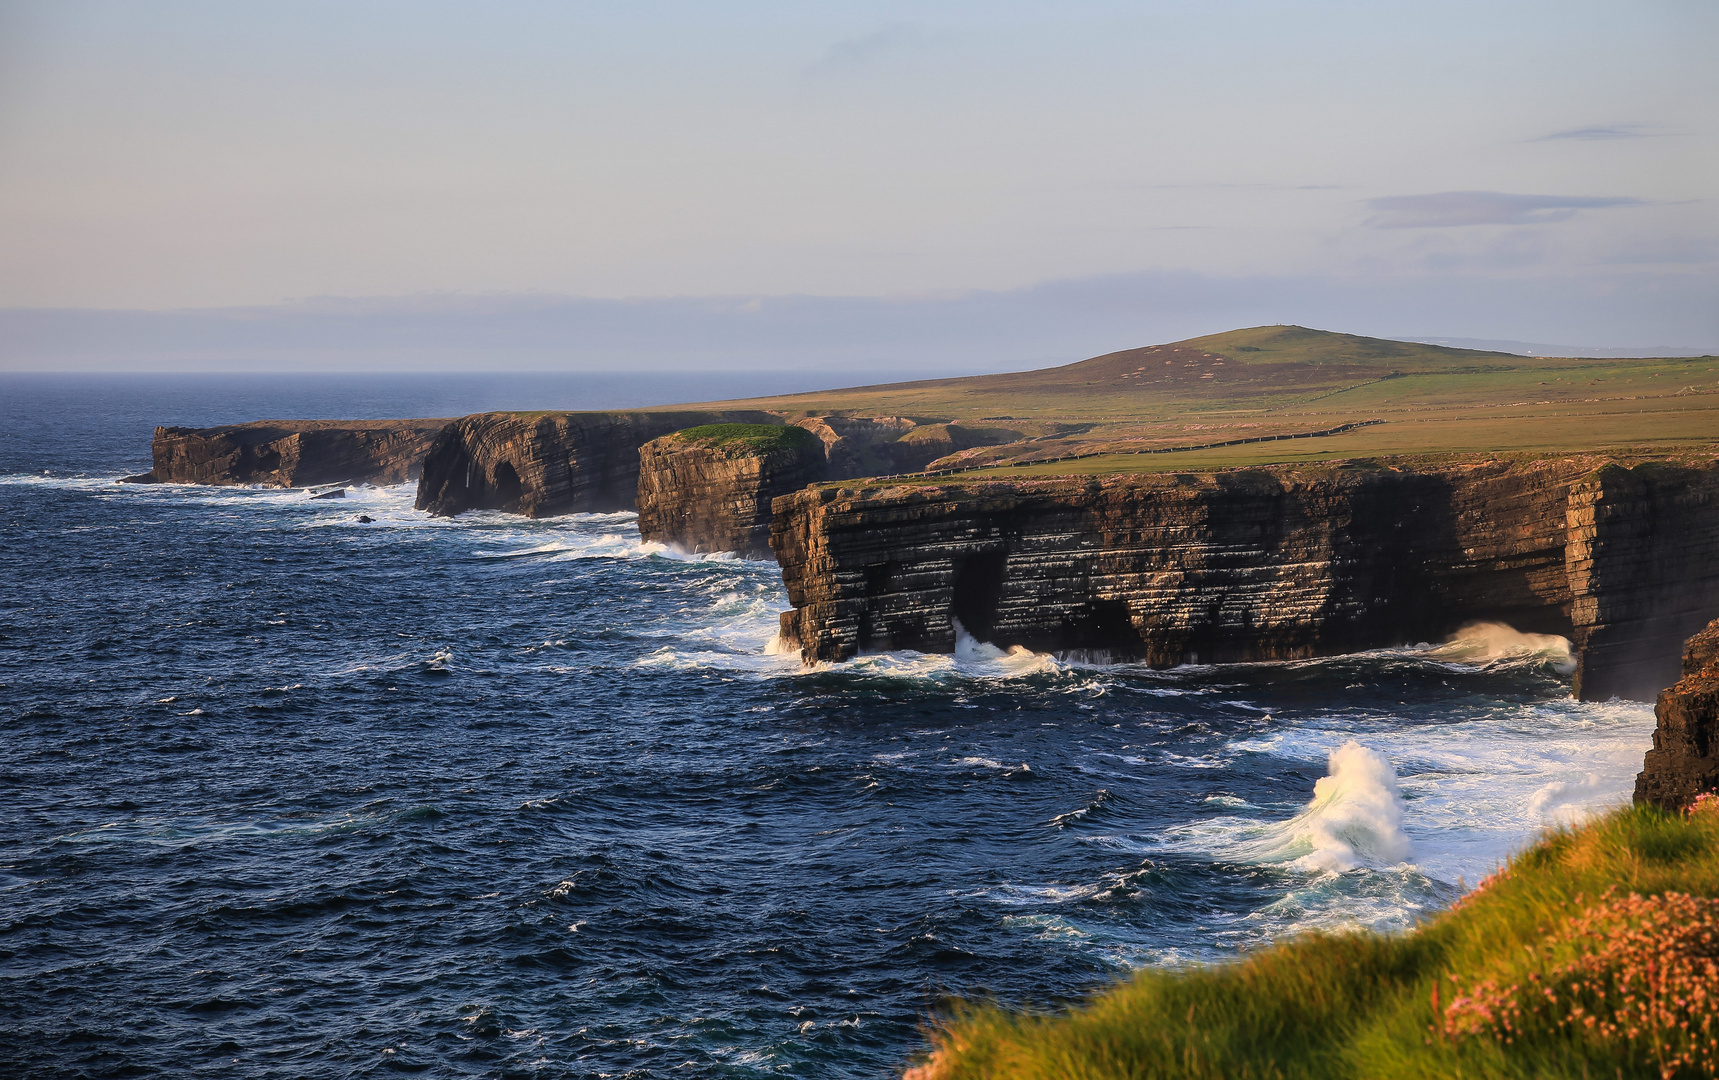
287,794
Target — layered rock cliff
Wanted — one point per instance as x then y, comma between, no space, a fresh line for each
710,488
708,491
1257,564
292,453
1684,761
542,464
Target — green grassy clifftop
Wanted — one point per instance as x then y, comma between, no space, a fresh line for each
1595,953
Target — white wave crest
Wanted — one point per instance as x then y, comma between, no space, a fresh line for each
1355,818
1571,802
981,657
1488,642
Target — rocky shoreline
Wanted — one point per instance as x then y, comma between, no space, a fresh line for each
1279,562
291,453
1266,564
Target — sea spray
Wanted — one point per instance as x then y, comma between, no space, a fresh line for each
1355,818
1489,642
981,657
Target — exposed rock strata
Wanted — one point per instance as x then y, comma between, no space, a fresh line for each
702,498
1259,564
292,453
543,464
1684,761
707,497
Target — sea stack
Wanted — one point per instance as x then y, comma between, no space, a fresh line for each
709,488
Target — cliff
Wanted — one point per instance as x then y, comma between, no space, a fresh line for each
710,488
292,453
1265,564
543,464
1684,761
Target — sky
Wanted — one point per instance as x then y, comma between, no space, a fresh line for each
445,185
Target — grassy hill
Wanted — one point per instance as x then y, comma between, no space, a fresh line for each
1285,379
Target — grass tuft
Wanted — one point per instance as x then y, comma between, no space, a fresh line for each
737,440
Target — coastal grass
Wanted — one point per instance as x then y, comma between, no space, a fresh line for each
1240,383
1484,989
1654,427
742,439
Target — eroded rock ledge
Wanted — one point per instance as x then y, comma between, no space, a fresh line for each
706,489
292,453
1266,564
1684,761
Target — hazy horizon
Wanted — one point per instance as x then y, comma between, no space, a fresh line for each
195,185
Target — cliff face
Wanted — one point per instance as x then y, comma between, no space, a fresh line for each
1684,761
1258,564
543,464
708,498
292,453
705,497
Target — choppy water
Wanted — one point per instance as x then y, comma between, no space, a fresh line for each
283,794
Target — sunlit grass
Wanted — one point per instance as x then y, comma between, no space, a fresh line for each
1427,1003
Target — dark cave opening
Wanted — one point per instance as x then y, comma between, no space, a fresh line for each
507,487
978,590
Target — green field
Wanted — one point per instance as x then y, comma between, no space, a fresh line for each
741,439
1287,379
1550,969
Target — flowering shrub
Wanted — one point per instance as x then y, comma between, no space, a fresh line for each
1706,803
1635,970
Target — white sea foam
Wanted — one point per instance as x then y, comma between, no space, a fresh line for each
1489,642
1355,819
972,659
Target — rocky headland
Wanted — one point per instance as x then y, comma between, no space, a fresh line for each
291,453
711,488
1684,761
543,464
1267,563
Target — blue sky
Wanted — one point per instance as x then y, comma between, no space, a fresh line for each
163,156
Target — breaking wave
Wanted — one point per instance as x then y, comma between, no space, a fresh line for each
1355,818
1492,642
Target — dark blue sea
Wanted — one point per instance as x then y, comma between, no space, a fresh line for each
285,794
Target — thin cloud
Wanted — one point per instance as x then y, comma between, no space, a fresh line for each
1601,133
1448,209
855,53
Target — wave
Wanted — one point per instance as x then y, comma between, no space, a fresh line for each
1489,643
1355,818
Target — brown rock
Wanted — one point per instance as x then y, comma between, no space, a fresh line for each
704,491
292,453
1272,563
1683,763
543,464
